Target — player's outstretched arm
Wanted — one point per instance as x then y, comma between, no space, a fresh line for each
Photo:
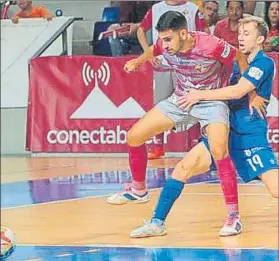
236,91
133,65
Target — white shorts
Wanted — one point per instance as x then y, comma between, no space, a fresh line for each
204,112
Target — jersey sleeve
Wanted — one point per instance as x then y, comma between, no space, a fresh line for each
146,23
259,71
222,51
158,48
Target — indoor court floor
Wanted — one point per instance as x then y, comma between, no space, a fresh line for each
57,208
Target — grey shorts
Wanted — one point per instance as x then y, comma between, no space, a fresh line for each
163,85
204,112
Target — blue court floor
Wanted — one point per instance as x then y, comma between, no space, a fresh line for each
68,253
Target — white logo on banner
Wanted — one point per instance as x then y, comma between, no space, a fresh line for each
88,74
97,105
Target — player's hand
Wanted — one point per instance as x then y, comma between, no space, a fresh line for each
131,66
259,104
187,101
15,19
154,61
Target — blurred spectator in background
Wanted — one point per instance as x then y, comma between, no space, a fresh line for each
195,19
131,13
29,11
199,3
227,28
210,11
250,7
272,19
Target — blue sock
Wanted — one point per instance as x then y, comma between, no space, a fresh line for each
171,191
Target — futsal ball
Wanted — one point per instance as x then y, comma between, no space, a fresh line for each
8,242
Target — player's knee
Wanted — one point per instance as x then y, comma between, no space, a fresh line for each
218,152
183,171
270,179
133,138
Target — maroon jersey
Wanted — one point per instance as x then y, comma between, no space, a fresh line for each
205,67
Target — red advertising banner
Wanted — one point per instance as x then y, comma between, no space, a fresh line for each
87,104
273,107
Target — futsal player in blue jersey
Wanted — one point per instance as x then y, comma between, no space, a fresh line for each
249,148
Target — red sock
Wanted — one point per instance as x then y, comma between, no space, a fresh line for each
138,164
160,141
227,175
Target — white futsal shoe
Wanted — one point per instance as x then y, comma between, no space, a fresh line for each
149,230
232,226
127,196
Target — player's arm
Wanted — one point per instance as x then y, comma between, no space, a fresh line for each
152,52
236,91
252,79
241,60
227,54
134,64
145,25
231,92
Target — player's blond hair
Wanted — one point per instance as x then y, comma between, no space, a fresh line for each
259,23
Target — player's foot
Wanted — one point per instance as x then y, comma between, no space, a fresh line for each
232,226
127,196
149,230
156,153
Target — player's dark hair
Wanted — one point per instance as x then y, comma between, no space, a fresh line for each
171,20
266,17
241,3
260,24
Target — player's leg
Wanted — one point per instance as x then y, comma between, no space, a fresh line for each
165,116
195,162
163,88
215,121
270,179
218,138
152,123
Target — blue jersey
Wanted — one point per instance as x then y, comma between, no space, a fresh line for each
248,131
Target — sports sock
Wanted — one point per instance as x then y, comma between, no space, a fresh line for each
171,191
227,175
138,164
